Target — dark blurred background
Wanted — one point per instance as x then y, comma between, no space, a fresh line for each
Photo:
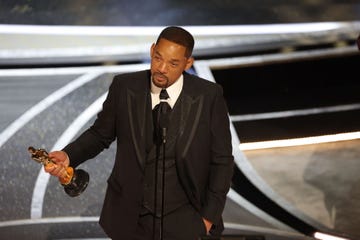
175,12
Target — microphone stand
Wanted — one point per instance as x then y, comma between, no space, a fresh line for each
155,188
163,143
162,135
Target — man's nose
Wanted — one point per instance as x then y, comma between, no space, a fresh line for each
163,67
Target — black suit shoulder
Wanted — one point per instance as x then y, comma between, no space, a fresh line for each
201,85
132,79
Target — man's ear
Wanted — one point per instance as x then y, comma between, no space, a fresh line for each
152,49
189,63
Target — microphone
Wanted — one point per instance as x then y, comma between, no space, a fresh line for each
161,113
164,120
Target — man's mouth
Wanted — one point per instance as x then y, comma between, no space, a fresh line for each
160,77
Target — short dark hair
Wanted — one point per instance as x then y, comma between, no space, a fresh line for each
180,36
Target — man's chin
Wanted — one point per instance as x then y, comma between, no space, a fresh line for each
162,83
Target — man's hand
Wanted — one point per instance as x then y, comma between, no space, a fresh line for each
61,162
208,225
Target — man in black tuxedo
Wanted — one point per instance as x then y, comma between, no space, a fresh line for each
198,153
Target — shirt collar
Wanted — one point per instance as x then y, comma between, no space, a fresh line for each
174,91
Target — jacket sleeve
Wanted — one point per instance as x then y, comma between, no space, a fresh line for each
99,136
222,160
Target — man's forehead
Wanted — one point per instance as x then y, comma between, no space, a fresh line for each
161,49
169,42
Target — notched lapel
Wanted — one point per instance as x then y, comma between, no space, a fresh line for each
137,109
191,108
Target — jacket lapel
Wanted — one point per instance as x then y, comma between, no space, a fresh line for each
191,108
139,107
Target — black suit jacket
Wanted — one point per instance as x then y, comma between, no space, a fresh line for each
203,150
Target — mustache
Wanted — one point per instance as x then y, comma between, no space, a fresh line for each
160,75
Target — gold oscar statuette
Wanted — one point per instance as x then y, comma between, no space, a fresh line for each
73,181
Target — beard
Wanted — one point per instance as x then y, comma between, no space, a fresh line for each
160,80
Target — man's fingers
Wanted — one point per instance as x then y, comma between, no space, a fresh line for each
55,158
59,157
49,167
208,225
54,169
